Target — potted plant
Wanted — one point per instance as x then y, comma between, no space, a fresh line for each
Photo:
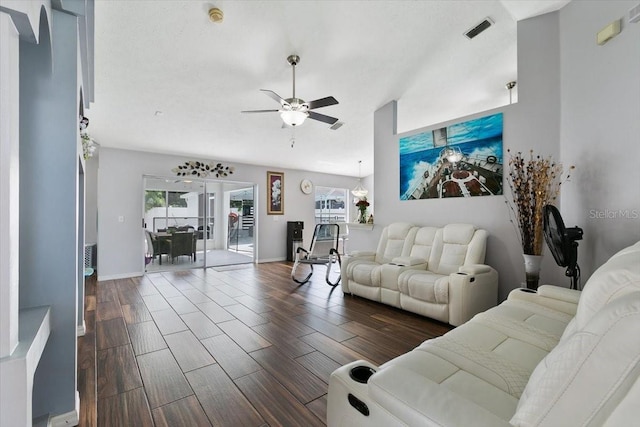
362,206
534,182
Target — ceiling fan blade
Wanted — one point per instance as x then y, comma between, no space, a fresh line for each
322,118
323,102
275,96
260,111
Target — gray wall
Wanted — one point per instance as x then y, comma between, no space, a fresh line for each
49,146
600,128
120,190
554,116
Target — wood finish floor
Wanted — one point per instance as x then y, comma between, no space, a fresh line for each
241,346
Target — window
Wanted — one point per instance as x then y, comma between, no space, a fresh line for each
331,205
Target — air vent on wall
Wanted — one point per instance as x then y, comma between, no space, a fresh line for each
486,23
634,14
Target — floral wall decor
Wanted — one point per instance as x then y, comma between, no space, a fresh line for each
202,169
275,193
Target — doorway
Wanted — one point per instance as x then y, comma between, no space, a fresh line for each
186,224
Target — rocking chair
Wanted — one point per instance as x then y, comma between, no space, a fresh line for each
323,251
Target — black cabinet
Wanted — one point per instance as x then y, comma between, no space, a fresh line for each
294,238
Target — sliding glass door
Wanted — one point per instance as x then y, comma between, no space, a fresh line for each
173,219
197,223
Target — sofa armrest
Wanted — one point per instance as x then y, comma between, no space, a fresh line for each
363,254
556,299
474,269
470,293
408,261
561,294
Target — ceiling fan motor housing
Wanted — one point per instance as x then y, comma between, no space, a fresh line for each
293,60
294,110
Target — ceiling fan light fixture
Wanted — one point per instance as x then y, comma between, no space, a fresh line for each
293,118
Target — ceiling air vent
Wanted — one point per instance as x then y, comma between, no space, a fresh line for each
486,23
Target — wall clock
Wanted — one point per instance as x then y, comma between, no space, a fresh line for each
306,186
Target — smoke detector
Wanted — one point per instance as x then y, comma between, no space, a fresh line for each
473,32
216,15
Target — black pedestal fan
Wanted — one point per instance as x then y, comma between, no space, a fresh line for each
562,242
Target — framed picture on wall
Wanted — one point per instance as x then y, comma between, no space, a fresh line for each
460,160
275,193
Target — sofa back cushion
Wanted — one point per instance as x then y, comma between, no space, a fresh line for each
396,240
585,377
457,245
617,277
423,242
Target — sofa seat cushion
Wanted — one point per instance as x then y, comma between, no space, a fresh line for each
366,273
532,315
586,375
424,286
444,396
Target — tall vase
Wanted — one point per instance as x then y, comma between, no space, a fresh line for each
362,216
532,270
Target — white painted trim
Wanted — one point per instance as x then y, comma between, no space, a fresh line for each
71,418
359,226
120,276
82,329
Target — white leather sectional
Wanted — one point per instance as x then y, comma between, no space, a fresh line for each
555,357
435,272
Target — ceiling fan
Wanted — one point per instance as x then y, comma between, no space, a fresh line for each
294,111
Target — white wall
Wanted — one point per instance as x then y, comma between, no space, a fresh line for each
120,190
566,86
600,128
91,200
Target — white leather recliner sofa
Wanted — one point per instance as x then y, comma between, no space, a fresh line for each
435,272
555,357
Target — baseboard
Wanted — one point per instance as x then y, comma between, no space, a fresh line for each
81,329
261,261
119,276
71,418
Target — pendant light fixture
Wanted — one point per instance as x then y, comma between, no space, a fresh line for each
510,87
360,192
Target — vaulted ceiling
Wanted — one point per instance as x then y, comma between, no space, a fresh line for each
169,80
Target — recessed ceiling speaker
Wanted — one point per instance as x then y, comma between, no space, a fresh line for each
482,26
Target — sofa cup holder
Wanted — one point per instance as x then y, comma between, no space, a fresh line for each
528,291
361,374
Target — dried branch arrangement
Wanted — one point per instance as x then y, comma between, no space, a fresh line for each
535,182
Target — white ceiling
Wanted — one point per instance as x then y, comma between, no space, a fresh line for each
167,56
